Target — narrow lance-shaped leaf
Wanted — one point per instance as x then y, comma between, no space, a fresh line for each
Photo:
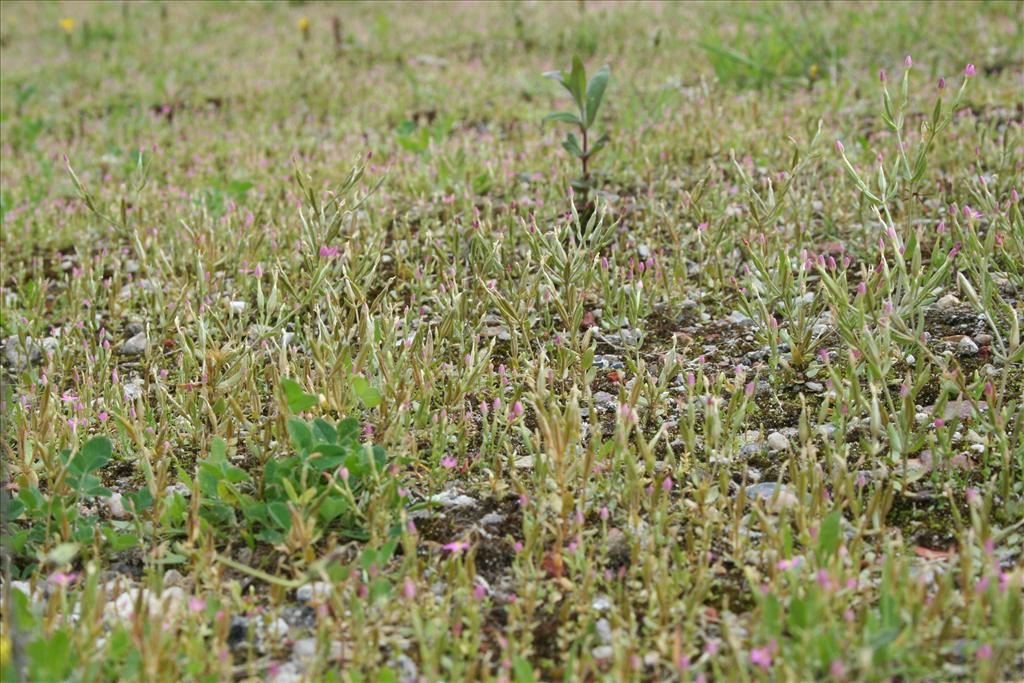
564,117
572,146
578,84
595,93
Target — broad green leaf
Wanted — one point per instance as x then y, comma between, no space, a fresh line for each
298,400
302,437
595,93
324,432
218,450
93,455
62,554
367,394
280,513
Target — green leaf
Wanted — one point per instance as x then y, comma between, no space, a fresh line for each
281,515
595,93
557,75
323,432
298,400
348,430
302,437
564,117
62,554
93,455
828,535
367,394
522,672
598,145
572,146
577,84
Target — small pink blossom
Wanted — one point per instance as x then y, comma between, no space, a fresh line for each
761,657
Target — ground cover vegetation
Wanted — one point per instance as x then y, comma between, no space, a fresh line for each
331,354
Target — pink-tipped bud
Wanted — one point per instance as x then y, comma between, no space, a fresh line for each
839,146
942,84
908,61
881,76
969,70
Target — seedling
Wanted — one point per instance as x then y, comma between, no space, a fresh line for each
587,97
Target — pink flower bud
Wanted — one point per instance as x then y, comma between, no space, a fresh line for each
942,84
969,71
881,76
839,146
908,61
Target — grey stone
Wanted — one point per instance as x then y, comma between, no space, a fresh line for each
407,669
492,519
766,493
19,355
453,500
777,442
947,302
317,590
739,318
604,631
136,346
967,347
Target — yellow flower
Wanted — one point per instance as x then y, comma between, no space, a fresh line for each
68,24
304,24
813,71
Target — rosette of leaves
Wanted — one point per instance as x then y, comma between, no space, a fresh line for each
587,98
293,491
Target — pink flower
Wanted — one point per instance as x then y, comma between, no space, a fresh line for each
761,657
448,462
908,61
711,648
62,579
881,75
969,70
839,146
409,588
983,652
455,546
196,604
666,485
